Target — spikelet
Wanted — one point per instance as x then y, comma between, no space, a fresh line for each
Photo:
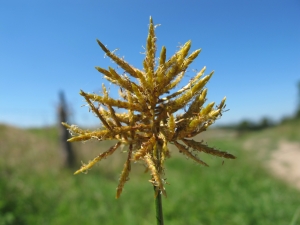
204,148
157,181
145,148
110,151
125,173
186,152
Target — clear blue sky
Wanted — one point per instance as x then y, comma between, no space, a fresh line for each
48,46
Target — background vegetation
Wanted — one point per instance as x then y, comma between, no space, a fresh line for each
36,189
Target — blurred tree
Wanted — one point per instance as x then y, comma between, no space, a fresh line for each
243,127
64,135
265,123
298,107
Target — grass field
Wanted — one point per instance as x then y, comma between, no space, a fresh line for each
36,189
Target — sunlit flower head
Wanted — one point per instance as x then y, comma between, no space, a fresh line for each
155,115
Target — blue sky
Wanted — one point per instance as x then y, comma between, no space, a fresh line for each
48,46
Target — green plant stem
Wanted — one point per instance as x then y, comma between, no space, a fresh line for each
159,209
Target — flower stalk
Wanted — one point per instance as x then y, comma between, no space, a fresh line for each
159,208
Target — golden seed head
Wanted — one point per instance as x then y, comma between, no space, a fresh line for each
153,118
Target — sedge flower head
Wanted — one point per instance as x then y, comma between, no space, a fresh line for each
155,115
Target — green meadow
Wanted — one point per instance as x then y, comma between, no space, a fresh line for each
36,189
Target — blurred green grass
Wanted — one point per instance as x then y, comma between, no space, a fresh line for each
36,189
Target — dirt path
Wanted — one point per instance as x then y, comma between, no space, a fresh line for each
285,162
